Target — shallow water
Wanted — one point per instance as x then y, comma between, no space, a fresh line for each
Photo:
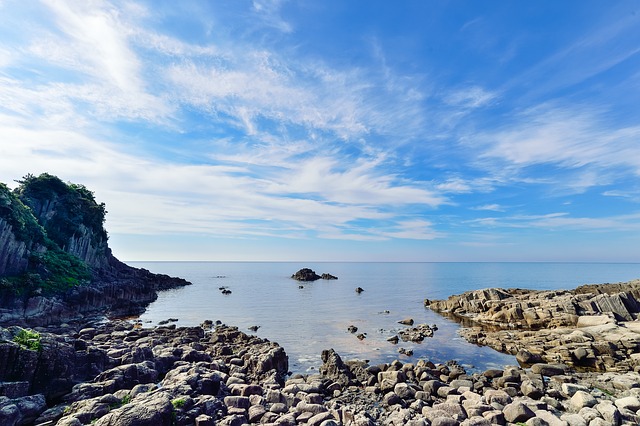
315,317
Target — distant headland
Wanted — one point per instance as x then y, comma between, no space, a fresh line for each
55,261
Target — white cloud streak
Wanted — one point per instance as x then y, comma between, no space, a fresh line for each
573,140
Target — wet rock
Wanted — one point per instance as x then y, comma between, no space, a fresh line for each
416,334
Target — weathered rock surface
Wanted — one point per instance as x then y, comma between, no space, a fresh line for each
119,374
127,291
593,327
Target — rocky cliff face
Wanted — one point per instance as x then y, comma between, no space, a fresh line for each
13,253
55,263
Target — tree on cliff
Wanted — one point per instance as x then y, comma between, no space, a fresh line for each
51,236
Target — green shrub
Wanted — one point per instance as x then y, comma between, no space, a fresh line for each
178,403
23,223
59,271
28,339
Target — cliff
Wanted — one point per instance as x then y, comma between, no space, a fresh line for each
55,262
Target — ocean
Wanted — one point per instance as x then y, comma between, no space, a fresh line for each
306,318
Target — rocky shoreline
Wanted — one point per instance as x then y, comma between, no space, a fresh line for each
119,373
593,327
125,291
578,354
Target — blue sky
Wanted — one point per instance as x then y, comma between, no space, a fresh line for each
334,130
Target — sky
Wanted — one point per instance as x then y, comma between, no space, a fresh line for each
275,130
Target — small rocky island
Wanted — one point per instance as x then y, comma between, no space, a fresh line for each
306,274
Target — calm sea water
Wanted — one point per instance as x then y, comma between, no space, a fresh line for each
307,320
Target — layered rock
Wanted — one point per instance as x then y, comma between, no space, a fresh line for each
14,257
593,326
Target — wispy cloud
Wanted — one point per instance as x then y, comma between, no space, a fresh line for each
268,12
563,222
489,207
568,138
217,200
470,97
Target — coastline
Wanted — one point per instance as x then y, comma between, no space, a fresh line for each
119,373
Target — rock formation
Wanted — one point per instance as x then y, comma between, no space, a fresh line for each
593,326
306,274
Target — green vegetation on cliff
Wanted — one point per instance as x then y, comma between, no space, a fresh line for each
20,217
45,214
62,208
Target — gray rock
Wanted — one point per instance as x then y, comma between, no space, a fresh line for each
278,407
573,419
549,370
498,396
320,418
256,412
475,421
431,387
234,420
599,422
152,410
444,421
609,412
334,368
453,410
582,399
237,402
589,414
569,389
628,403
389,379
404,391
517,412
536,421
550,418
532,389
495,417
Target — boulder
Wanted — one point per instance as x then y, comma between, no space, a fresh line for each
334,368
517,412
